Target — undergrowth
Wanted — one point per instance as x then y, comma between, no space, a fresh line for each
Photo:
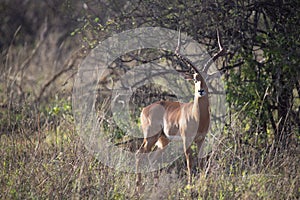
44,158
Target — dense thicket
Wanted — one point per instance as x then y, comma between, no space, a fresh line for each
261,67
42,44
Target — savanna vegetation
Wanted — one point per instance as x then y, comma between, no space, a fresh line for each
42,45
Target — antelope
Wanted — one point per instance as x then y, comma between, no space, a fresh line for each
164,120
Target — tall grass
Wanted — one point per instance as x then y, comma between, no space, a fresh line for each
42,156
45,159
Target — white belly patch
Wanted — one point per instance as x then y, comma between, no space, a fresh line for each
174,137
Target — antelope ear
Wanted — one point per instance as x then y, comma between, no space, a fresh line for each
188,76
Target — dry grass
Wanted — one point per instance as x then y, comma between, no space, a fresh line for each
42,157
48,160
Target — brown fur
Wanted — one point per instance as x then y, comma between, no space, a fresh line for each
164,119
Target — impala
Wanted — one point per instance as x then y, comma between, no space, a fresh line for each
164,120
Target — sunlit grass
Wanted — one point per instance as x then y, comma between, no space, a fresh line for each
51,162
